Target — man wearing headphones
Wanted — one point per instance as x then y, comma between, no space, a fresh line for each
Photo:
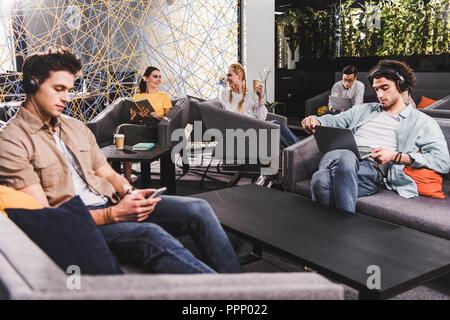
397,134
53,158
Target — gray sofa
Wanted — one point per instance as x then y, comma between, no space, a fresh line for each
439,109
425,214
433,85
26,272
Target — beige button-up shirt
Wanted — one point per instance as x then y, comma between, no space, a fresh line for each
28,155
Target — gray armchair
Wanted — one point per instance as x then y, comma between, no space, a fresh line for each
118,113
262,148
105,123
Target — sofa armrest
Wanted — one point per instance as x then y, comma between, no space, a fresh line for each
106,122
441,104
437,113
280,118
174,120
300,161
244,286
314,103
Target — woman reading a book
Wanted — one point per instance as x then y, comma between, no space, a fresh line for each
160,101
149,89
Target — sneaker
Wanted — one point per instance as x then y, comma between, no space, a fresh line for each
269,184
261,180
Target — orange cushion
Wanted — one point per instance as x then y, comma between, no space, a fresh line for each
429,182
10,198
321,110
425,102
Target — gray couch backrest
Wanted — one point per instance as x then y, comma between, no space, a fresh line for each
106,122
175,119
433,85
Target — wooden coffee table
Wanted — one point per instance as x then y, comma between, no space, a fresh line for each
167,169
336,243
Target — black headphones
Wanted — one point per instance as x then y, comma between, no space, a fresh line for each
402,84
30,84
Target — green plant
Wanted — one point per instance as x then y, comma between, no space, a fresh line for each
406,27
372,28
271,105
291,19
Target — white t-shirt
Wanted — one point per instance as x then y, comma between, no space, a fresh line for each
88,197
250,107
379,132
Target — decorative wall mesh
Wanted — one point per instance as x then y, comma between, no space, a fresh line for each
192,42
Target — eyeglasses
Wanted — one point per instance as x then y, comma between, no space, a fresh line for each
348,80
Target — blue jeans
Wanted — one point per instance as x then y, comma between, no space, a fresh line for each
342,178
287,138
151,243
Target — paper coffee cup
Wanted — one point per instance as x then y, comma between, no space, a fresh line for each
119,140
256,83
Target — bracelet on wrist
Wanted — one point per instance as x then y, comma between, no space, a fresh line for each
395,158
107,217
128,189
398,158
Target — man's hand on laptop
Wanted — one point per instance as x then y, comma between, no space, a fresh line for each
135,206
383,155
309,124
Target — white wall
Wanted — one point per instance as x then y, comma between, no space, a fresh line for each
259,41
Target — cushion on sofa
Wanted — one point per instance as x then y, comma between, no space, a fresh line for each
425,102
10,198
69,235
429,182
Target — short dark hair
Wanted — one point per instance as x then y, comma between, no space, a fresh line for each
142,84
350,69
393,70
39,65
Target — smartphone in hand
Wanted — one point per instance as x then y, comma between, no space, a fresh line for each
157,193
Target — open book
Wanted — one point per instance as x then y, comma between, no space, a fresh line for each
140,104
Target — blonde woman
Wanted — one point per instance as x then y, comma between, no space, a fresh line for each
250,102
240,99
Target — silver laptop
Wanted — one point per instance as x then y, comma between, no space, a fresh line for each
339,103
329,138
